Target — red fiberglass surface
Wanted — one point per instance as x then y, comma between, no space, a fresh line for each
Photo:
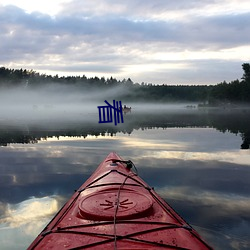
116,209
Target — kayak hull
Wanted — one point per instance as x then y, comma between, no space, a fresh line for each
116,209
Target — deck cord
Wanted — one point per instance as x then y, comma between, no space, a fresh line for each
129,164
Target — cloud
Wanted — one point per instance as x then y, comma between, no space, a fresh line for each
137,9
113,38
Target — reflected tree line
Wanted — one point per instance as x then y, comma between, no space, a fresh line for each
236,91
222,120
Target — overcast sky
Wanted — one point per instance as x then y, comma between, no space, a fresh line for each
154,41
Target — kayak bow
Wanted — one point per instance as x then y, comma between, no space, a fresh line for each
116,209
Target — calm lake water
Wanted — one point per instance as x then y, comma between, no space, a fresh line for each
197,160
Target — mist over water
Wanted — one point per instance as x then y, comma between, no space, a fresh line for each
59,109
60,102
44,103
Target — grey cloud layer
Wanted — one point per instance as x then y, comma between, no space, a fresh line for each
106,38
204,29
132,8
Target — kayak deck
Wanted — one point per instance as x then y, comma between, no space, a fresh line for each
116,209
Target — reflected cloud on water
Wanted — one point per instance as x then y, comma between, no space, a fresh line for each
31,210
20,223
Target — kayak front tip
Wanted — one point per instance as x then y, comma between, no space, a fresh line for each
116,209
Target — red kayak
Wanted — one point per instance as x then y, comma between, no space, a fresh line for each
116,209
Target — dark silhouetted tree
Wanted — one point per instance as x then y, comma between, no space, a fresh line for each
246,69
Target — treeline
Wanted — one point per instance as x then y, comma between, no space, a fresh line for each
234,92
237,91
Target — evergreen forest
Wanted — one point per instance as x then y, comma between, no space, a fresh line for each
224,93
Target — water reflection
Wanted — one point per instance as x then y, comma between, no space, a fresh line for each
234,121
31,210
195,166
21,221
